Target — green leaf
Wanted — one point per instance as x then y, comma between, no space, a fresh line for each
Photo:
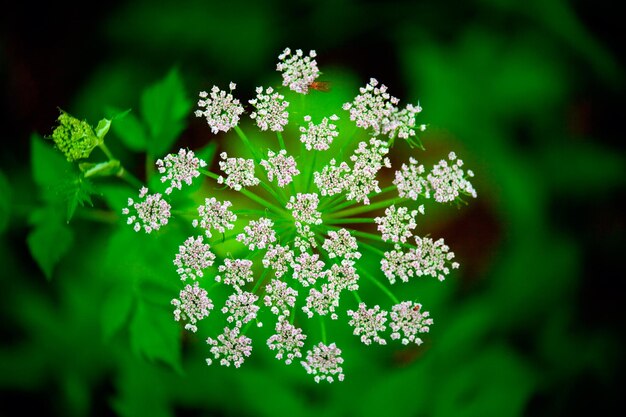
103,128
155,334
207,153
164,107
131,132
50,239
78,192
116,310
49,167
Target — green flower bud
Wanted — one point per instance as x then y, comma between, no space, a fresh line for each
74,138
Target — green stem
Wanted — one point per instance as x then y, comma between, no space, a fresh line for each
106,151
367,208
281,141
246,142
357,297
129,178
371,195
260,281
330,202
323,328
351,220
380,285
309,179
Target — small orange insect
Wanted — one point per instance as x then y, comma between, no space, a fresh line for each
323,86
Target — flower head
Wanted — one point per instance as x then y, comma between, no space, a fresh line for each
448,180
193,306
407,321
74,138
373,107
271,110
307,268
179,168
193,257
230,347
241,308
280,297
341,244
215,215
220,109
281,167
235,272
397,223
239,171
410,181
368,323
320,136
151,213
323,301
324,362
279,258
304,208
298,70
258,234
287,341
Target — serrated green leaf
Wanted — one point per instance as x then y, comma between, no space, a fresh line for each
131,131
116,310
155,334
50,240
78,192
164,107
103,128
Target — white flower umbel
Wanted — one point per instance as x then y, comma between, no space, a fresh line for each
258,234
215,215
179,168
220,109
401,123
287,341
307,268
341,244
230,347
333,178
270,110
320,136
323,301
407,321
280,297
368,159
397,223
193,306
373,107
431,258
280,166
368,323
343,276
235,272
447,181
410,181
239,171
279,258
298,70
324,362
241,308
193,257
304,208
152,213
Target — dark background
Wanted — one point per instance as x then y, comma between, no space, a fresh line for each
530,92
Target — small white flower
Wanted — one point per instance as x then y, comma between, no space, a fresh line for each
320,136
239,171
324,362
368,323
323,301
241,308
298,70
304,208
151,214
287,341
193,306
410,181
193,257
341,244
447,181
215,215
407,321
397,224
281,167
220,109
179,168
230,347
235,272
279,258
279,297
258,234
373,107
271,110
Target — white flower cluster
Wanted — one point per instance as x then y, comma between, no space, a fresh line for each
299,71
306,239
152,213
179,168
320,136
239,171
271,110
193,306
221,109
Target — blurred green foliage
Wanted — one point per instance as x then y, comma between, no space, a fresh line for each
498,81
